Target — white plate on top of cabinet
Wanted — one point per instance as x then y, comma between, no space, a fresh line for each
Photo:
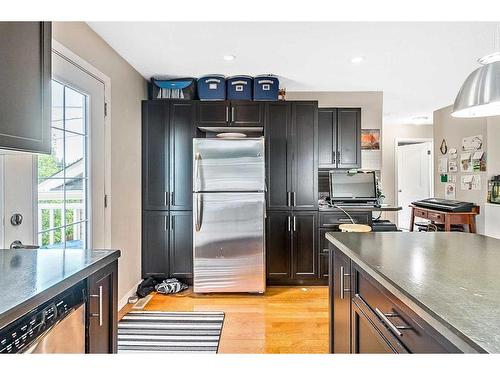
231,135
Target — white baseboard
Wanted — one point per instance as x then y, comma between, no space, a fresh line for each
122,302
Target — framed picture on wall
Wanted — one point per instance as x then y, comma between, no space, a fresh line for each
370,139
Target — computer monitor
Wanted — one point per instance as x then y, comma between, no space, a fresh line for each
351,186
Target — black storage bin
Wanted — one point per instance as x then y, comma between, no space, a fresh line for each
239,88
265,87
178,88
212,87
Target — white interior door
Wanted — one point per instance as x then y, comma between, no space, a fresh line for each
71,181
414,177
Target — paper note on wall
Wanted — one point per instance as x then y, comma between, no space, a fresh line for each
471,182
449,191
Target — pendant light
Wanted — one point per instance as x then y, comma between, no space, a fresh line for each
479,95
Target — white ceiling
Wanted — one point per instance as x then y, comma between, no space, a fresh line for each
418,66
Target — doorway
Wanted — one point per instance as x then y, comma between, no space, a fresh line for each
414,175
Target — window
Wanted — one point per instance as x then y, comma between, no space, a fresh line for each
63,175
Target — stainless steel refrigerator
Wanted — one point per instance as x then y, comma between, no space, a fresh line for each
229,215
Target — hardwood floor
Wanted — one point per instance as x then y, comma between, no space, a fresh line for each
283,320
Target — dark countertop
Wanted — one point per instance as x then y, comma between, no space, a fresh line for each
452,280
360,209
31,277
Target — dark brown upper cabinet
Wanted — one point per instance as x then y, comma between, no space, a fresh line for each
292,160
230,113
167,142
339,138
25,89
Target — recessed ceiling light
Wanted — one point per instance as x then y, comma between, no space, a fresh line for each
357,60
229,57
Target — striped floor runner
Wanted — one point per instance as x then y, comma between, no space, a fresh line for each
170,332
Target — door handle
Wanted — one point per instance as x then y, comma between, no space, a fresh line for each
288,199
98,315
227,113
394,328
294,199
198,212
289,220
171,223
197,158
342,289
294,223
172,198
232,114
165,223
165,198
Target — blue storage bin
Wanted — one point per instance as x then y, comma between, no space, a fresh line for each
265,87
239,88
178,88
212,87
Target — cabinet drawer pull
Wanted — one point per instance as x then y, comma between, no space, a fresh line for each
394,328
342,289
99,315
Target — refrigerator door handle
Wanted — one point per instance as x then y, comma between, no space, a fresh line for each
198,212
197,158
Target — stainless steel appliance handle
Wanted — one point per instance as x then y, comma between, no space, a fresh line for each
197,158
99,315
197,215
342,289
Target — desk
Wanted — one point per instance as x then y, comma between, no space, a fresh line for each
445,217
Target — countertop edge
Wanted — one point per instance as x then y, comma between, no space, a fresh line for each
452,334
26,306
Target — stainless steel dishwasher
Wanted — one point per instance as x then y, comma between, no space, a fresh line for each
56,326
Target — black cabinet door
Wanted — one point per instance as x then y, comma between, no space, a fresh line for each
341,319
155,189
327,137
278,167
102,311
213,113
304,248
182,131
366,338
349,138
25,89
323,252
278,245
181,244
304,155
247,113
155,237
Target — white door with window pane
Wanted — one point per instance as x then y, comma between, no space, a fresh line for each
71,180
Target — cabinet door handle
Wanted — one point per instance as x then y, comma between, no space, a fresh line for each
289,222
171,223
165,223
394,328
232,114
197,158
294,199
342,289
165,199
294,223
99,315
288,199
172,198
227,113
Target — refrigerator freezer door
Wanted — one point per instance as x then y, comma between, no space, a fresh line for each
228,164
228,243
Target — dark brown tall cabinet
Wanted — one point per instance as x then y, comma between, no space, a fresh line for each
25,89
291,133
168,127
339,138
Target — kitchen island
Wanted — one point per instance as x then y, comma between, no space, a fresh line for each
414,292
31,278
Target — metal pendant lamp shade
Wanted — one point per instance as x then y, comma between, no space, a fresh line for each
479,96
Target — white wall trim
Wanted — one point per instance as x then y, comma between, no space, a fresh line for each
124,300
90,69
416,140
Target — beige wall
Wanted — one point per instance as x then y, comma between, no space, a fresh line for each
388,175
370,102
128,88
453,130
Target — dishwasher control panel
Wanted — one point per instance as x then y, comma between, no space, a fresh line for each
18,335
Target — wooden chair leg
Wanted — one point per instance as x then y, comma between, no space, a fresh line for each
412,219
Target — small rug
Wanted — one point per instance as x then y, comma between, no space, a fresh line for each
170,332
